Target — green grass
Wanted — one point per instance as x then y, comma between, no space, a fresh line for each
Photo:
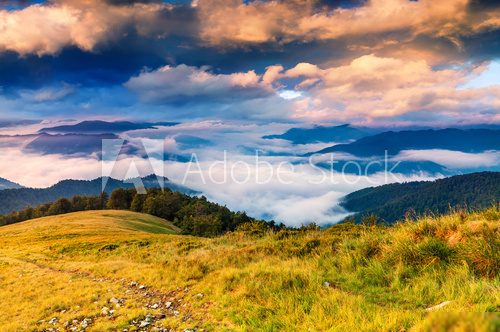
348,277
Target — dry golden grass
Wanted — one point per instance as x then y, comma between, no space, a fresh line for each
345,278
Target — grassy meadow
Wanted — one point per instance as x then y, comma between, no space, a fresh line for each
124,271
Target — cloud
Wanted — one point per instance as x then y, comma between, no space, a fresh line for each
230,22
452,159
50,27
186,83
294,195
375,26
374,89
48,94
299,194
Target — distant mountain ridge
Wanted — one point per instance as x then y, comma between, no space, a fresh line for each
392,201
17,199
318,134
6,184
469,140
68,144
104,127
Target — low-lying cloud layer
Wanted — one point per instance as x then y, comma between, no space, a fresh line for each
234,169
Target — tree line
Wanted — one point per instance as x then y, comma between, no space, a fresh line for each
193,215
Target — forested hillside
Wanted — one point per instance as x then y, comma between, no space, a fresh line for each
17,199
393,201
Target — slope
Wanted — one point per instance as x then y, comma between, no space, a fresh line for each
105,271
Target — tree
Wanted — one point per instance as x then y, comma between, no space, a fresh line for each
120,199
137,204
59,207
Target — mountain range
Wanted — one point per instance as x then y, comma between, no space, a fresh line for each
104,127
468,140
20,198
392,202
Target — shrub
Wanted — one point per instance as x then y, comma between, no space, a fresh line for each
254,228
435,251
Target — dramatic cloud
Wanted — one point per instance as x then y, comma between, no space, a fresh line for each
374,25
235,22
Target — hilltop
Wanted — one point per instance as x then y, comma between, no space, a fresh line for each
115,270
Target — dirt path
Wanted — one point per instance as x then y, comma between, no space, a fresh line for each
160,306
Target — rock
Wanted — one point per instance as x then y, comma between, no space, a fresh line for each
176,313
168,304
105,311
85,323
133,284
144,323
155,306
66,324
326,284
53,321
114,300
142,287
199,295
438,306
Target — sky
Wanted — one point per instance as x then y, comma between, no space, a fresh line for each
364,62
231,71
